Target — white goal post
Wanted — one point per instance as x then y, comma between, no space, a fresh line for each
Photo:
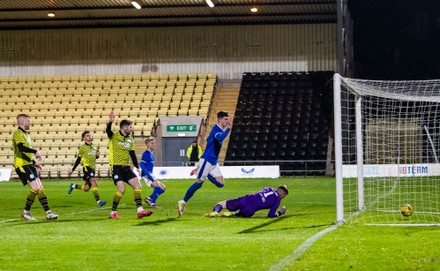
387,144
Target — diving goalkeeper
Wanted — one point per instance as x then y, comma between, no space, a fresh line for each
246,206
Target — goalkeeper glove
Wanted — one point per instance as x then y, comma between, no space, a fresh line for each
282,211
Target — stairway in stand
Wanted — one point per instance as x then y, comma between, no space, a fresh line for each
225,99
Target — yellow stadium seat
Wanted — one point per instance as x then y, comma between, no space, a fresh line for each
133,84
119,77
172,112
171,83
212,76
22,79
143,84
145,77
197,97
65,78
130,97
205,103
183,76
188,90
193,112
210,84
192,76
127,77
172,77
203,111
150,90
163,77
13,79
199,89
202,76
152,83
154,77
187,97
180,83
190,83
162,111
161,84
182,112
74,78
110,78
56,79
159,90
200,83
209,89
136,77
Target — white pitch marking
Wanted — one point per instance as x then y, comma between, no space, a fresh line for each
301,249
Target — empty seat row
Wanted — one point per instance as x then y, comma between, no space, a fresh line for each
282,116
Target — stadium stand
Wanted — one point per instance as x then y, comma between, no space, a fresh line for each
283,116
62,107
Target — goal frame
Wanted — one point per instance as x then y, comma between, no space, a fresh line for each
359,158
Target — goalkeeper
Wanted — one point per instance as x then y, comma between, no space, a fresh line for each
246,206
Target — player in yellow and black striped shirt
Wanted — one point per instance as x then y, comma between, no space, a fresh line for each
28,169
87,155
121,149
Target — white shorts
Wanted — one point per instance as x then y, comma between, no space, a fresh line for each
206,168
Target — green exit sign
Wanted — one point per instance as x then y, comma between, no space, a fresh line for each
182,128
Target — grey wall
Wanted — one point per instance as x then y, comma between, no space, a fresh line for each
227,50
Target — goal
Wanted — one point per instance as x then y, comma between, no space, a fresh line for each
387,151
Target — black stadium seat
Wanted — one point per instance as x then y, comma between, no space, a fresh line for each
288,112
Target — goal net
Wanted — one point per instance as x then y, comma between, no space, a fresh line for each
387,151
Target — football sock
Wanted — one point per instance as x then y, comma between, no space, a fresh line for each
95,193
157,191
43,200
217,208
138,197
30,199
191,190
214,181
79,187
116,200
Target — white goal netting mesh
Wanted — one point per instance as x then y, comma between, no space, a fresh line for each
399,130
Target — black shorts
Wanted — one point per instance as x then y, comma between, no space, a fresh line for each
88,173
27,173
122,173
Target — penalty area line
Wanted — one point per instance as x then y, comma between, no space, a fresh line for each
302,248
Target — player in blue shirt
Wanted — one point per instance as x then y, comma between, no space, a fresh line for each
147,165
246,206
208,165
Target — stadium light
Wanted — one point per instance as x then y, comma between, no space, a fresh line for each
210,3
51,14
136,5
254,9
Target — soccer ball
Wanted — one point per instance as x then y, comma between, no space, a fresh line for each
406,210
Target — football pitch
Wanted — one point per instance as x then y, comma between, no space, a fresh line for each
84,238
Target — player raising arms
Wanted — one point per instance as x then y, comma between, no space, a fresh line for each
246,206
87,155
147,165
27,168
208,165
121,148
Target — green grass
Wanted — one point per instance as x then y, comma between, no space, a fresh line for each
85,239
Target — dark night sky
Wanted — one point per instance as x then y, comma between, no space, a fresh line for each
396,39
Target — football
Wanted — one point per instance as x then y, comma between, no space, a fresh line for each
406,210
